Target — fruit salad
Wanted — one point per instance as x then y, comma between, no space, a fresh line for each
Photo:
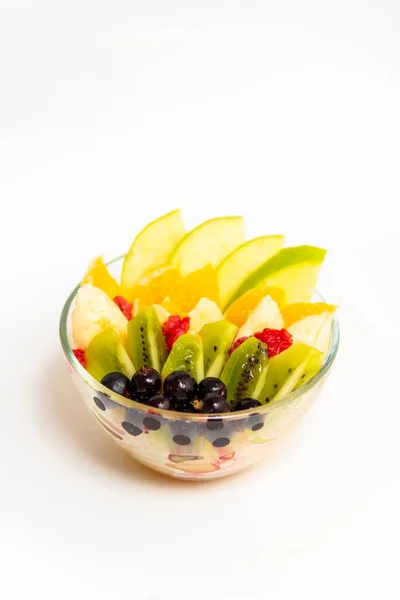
203,321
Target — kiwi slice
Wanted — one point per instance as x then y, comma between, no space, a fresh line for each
289,370
245,372
145,340
105,354
186,355
217,339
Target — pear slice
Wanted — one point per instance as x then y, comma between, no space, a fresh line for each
244,260
294,269
209,243
94,311
151,249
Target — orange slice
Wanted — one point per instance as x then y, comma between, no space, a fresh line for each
239,311
196,285
156,286
294,312
97,275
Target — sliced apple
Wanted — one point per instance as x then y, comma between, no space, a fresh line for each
105,354
266,314
205,311
209,243
151,249
94,311
295,270
244,260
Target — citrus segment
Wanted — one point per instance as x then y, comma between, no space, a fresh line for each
239,311
294,312
97,275
190,289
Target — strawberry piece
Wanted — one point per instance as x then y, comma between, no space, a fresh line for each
173,328
124,306
277,340
238,343
80,356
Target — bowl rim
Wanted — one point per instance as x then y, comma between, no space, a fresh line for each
173,415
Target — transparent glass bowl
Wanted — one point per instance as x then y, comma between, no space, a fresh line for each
190,446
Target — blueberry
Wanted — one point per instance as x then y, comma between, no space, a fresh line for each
118,383
180,387
159,401
247,403
211,385
213,403
186,407
145,383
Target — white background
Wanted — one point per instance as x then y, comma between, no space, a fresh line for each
113,112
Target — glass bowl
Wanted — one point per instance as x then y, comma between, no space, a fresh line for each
190,446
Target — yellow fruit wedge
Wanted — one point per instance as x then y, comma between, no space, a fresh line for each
156,285
205,311
239,311
94,311
97,275
266,314
294,270
209,243
314,330
244,260
151,249
161,312
196,285
294,312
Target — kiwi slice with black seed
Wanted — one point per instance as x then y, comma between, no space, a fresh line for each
217,339
245,372
186,355
289,370
146,341
106,354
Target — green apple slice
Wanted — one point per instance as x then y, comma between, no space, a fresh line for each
244,260
151,249
209,243
105,354
294,270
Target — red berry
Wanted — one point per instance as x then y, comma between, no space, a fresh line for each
277,340
124,306
238,343
173,328
80,355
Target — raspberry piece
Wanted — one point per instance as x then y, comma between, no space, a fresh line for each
238,343
173,328
277,340
124,306
80,356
